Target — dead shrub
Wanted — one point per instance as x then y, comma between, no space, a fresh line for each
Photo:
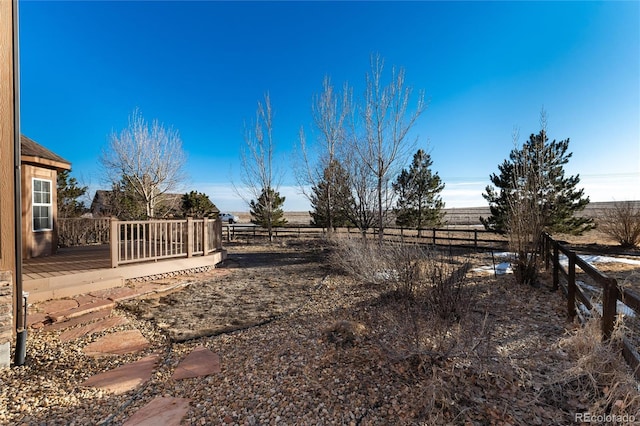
424,297
622,223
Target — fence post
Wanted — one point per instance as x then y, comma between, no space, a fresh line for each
475,239
545,249
556,266
205,236
218,231
114,242
434,236
571,286
609,306
190,237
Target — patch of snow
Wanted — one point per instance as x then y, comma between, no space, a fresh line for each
594,258
501,269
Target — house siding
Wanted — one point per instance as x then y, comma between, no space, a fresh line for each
39,243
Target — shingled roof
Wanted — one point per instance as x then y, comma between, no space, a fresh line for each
33,152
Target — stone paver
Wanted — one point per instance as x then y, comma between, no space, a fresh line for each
57,305
124,378
119,343
161,411
85,299
86,308
117,294
94,327
84,319
200,362
37,319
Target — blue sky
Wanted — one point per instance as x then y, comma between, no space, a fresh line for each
201,67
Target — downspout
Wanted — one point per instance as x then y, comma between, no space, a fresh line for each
21,308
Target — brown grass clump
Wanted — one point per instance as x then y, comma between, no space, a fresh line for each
345,332
600,382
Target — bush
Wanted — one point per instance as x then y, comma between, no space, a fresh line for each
622,223
409,271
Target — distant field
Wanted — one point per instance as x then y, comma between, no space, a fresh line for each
457,216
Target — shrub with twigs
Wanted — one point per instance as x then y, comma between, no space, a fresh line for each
423,294
622,223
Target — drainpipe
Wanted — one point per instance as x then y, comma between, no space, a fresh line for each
21,305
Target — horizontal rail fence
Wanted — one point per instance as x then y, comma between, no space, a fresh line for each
152,240
469,238
611,294
82,231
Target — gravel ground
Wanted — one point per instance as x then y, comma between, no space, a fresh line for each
338,352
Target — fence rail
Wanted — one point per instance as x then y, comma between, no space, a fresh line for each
611,293
152,240
458,237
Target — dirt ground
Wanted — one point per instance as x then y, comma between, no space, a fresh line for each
297,329
263,282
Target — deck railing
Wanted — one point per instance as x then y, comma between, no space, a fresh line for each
151,240
81,231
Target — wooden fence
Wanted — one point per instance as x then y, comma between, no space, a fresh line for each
611,293
145,240
477,239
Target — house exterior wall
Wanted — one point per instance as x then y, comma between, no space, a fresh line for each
7,207
37,243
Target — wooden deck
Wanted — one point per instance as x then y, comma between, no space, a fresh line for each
79,270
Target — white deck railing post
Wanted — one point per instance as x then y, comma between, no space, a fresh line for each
190,240
114,241
205,236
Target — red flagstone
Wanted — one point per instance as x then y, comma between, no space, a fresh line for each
161,411
116,294
57,305
119,343
200,362
84,319
84,299
36,319
81,310
124,378
94,327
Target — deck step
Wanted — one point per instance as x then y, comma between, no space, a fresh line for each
53,288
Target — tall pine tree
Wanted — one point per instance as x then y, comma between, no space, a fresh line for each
559,199
331,198
418,189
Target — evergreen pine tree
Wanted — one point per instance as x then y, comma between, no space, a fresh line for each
331,198
559,199
68,193
267,210
419,203
196,204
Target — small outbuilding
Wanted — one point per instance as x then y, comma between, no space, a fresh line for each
39,171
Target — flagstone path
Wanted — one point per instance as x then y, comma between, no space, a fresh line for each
89,314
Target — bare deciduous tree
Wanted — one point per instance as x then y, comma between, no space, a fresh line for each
329,111
525,220
258,174
147,157
383,144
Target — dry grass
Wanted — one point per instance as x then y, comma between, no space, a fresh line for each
599,381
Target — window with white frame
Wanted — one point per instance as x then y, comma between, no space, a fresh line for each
42,205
